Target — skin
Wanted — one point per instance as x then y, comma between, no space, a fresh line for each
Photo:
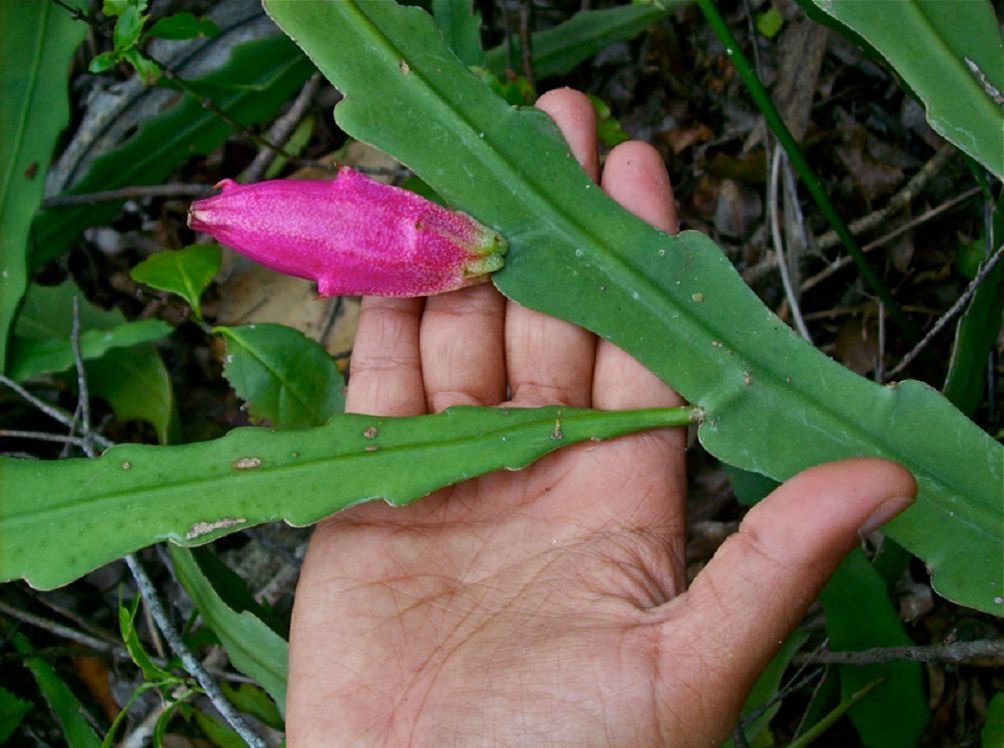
549,606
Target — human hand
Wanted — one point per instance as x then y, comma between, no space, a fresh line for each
548,606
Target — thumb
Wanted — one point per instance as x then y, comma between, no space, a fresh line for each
761,581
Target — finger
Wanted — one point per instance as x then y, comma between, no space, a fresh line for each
549,360
385,373
463,348
764,577
635,176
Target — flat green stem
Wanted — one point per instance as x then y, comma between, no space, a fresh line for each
812,183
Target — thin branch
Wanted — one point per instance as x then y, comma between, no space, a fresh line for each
283,128
54,413
65,632
83,397
935,653
924,217
188,659
775,230
44,436
137,192
948,316
932,168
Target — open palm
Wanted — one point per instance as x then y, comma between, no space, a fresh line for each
548,606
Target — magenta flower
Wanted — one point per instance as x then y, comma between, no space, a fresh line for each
352,236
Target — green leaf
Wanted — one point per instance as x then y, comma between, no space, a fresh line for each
260,76
774,404
103,62
285,377
36,43
949,54
563,48
992,735
12,710
69,712
151,671
42,336
253,648
608,129
186,272
763,699
127,29
859,615
183,25
769,23
61,519
136,384
115,8
461,27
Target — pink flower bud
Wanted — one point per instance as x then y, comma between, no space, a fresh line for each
352,236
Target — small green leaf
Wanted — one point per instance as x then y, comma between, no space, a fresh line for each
252,646
12,710
294,146
769,23
103,62
68,710
115,8
147,69
186,272
285,377
61,519
859,615
128,28
136,384
183,25
608,129
151,671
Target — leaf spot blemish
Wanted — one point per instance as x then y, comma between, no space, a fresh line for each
202,528
126,465
371,448
747,377
662,253
557,433
404,67
716,344
697,297
370,432
247,463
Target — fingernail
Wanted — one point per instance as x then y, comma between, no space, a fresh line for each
884,512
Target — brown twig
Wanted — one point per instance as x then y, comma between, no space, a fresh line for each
934,653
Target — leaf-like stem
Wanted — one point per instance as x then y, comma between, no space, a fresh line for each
812,183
